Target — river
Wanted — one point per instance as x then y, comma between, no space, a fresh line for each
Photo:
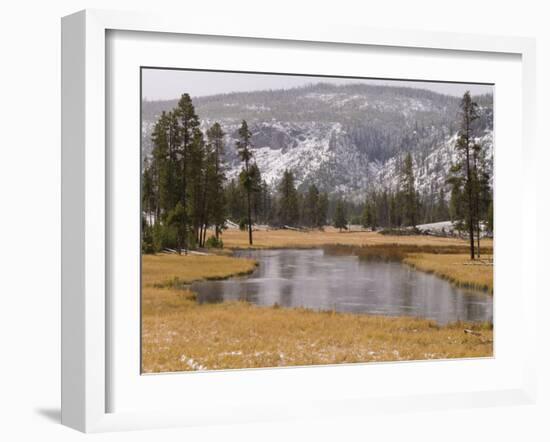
313,279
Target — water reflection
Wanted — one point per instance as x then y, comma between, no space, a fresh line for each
310,278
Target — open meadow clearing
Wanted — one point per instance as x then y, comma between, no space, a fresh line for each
284,238
180,334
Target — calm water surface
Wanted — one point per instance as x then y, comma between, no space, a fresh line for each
313,279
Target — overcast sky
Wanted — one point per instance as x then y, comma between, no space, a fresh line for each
162,84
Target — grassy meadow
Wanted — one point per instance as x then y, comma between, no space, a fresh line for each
178,334
282,238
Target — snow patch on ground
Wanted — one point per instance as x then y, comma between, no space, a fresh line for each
191,363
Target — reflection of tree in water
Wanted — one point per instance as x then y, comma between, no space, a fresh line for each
289,264
285,299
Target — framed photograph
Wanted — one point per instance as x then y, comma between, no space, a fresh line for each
292,224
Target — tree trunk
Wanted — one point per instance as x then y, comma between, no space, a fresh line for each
470,203
478,241
249,218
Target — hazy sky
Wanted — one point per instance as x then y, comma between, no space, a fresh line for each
161,84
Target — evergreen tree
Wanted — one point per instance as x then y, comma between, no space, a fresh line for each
490,217
187,125
483,193
244,149
409,192
196,185
383,209
322,210
212,193
218,213
465,146
162,175
456,203
162,162
176,218
340,218
442,208
235,198
369,216
394,215
256,189
311,206
148,192
267,204
288,200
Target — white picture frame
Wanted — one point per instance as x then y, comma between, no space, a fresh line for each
86,233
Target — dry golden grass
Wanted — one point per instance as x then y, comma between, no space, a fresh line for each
165,269
316,238
457,268
179,334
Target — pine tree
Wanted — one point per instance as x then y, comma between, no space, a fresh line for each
244,149
256,188
288,200
490,217
235,198
211,196
322,210
266,203
465,146
177,219
442,208
188,123
311,206
161,160
369,216
456,203
196,183
215,137
148,192
383,209
484,196
394,212
409,192
340,218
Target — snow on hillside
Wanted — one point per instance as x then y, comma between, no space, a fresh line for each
343,139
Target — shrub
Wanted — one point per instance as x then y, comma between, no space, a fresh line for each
164,237
214,243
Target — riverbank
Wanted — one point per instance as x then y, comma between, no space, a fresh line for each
449,261
179,334
445,257
456,268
